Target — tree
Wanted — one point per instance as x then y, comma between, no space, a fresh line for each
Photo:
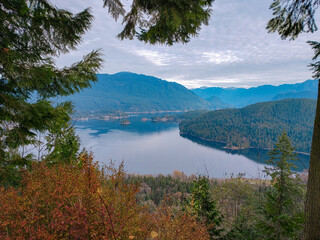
282,212
232,195
291,17
204,206
163,22
32,33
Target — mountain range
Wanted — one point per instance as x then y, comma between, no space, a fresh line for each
240,97
131,92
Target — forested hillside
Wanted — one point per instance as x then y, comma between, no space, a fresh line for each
257,125
130,92
240,97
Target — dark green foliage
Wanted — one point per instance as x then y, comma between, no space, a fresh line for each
315,66
32,33
189,115
241,97
131,92
282,211
164,22
204,206
275,211
244,228
257,125
291,17
238,200
61,142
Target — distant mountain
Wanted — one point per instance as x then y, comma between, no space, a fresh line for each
240,97
257,125
216,103
130,92
302,94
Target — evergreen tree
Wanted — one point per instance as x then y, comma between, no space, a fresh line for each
283,216
32,33
164,22
204,206
292,17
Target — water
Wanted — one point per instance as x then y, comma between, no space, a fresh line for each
158,148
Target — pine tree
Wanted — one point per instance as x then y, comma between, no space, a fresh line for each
204,206
283,216
32,33
292,17
163,22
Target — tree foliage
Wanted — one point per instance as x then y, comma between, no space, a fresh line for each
101,205
203,205
283,207
257,125
156,189
164,22
233,196
291,18
32,34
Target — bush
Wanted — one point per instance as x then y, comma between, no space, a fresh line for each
85,202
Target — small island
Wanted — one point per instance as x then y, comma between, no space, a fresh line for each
125,122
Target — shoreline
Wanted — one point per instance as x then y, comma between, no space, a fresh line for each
235,148
108,117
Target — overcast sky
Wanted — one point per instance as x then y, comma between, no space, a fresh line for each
235,50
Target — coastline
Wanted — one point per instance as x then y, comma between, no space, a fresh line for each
234,147
112,116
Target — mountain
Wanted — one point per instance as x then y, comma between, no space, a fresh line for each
130,92
301,94
257,125
240,97
216,103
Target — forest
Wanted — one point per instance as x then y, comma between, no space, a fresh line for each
257,125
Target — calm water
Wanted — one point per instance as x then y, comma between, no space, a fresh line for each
153,148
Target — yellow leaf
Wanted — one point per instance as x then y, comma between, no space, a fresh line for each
99,190
153,234
131,237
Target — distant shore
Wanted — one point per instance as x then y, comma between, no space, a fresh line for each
234,147
120,115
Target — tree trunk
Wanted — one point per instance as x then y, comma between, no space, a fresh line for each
312,207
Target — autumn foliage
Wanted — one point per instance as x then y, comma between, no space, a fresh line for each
86,202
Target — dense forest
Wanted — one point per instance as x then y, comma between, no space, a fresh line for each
257,125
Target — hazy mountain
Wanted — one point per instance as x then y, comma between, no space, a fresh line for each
216,103
130,92
301,94
257,125
240,97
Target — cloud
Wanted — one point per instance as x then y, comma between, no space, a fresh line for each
220,57
234,50
155,57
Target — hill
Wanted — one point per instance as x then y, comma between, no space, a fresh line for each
240,97
257,125
130,92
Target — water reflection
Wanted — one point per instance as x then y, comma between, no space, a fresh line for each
136,125
154,148
257,155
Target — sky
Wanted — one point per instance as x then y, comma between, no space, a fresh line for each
234,50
